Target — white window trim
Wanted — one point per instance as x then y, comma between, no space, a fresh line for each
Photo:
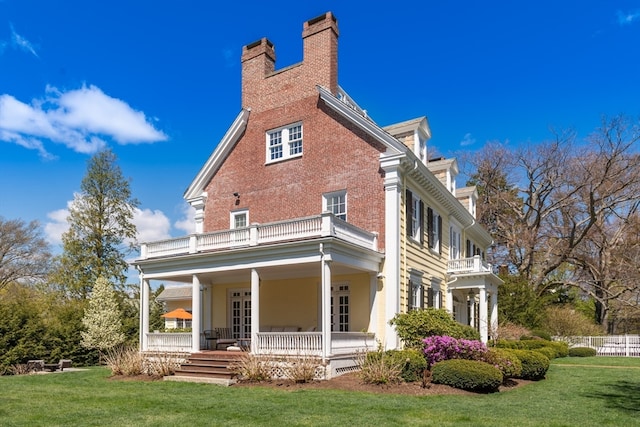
286,148
234,214
327,196
455,242
416,290
416,225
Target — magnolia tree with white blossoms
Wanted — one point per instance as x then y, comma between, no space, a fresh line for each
103,318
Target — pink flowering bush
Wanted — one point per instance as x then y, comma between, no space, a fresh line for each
439,348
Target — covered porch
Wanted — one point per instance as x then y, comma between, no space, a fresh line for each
472,294
308,288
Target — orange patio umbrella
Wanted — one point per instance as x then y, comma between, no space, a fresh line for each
178,313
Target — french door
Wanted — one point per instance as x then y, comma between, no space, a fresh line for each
240,313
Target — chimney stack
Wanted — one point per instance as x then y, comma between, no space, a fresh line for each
320,45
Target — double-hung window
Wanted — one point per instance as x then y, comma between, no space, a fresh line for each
284,143
415,216
336,203
416,291
434,223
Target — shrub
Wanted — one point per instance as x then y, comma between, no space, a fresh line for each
566,321
534,364
412,361
541,334
469,375
557,348
547,351
561,348
439,348
415,325
251,368
124,360
505,360
302,369
381,367
161,364
582,352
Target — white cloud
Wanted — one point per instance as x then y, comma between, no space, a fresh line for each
628,17
81,119
58,225
151,225
188,222
19,42
467,140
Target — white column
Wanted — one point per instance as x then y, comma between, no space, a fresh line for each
391,285
144,313
196,311
255,309
494,313
484,318
326,304
373,303
449,303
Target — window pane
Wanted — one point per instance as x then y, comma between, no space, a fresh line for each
295,140
337,205
275,144
240,220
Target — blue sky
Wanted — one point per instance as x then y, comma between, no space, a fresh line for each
159,83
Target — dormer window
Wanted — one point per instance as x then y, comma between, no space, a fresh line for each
284,143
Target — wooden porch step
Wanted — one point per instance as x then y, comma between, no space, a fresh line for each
208,365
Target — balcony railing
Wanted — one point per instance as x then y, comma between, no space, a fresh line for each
325,225
468,265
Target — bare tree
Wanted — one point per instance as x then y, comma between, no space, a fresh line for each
558,210
24,254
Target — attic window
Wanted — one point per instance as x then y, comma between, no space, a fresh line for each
284,143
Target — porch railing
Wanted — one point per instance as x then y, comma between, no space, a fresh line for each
324,225
173,342
468,265
310,343
274,343
609,345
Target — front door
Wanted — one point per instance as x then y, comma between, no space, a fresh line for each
240,313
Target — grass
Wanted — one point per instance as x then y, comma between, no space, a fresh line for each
603,394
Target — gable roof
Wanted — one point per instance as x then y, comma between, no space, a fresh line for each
175,293
219,154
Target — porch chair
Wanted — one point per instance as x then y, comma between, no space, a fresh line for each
219,337
224,338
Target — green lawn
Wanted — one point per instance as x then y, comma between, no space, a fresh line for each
606,393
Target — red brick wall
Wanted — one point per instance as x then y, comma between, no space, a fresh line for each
334,158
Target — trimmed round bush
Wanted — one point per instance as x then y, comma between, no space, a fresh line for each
505,360
471,375
582,352
547,351
561,348
534,364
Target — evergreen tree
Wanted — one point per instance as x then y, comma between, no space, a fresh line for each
103,318
100,225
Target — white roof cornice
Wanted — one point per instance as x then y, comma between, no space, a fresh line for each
362,122
218,156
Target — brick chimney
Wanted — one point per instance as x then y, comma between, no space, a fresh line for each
265,88
320,45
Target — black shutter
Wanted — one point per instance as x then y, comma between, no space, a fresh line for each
468,253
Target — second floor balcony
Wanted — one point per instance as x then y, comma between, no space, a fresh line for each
325,225
468,266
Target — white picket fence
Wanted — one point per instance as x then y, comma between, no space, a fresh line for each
608,345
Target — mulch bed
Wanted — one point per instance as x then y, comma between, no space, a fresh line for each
352,382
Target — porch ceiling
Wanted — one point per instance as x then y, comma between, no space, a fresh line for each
273,262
